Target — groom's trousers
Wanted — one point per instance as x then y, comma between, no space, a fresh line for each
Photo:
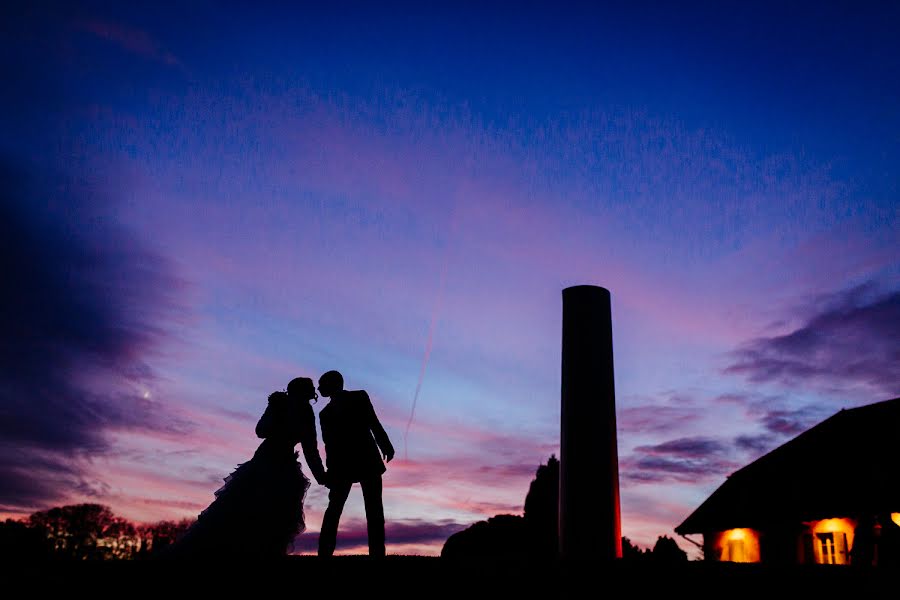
337,496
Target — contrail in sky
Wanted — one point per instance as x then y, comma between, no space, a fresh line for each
428,344
451,229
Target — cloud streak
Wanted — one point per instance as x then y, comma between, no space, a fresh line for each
655,418
848,340
683,459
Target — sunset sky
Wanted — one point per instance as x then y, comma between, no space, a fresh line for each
202,200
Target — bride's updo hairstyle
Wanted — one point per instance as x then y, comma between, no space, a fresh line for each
276,397
303,388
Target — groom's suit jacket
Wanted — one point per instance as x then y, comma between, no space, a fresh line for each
353,436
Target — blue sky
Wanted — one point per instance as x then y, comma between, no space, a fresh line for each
231,197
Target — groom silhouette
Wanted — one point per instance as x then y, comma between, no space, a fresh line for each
355,442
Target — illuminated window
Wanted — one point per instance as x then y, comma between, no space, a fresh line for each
734,551
825,545
738,545
832,539
895,517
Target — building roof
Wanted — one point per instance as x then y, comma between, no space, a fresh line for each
845,465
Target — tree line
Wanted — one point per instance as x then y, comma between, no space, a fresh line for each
84,532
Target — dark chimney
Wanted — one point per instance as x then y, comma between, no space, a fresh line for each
589,517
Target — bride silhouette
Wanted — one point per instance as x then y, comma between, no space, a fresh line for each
259,510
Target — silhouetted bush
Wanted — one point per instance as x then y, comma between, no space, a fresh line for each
542,510
633,552
501,536
21,542
666,550
511,536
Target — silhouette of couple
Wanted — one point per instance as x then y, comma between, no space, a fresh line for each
259,510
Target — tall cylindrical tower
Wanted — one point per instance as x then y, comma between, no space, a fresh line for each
589,517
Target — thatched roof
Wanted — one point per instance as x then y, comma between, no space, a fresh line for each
846,465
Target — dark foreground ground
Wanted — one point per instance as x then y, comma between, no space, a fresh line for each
422,577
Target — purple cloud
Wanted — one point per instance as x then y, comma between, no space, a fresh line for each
696,447
84,306
756,445
775,414
29,478
683,459
849,339
789,422
352,534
